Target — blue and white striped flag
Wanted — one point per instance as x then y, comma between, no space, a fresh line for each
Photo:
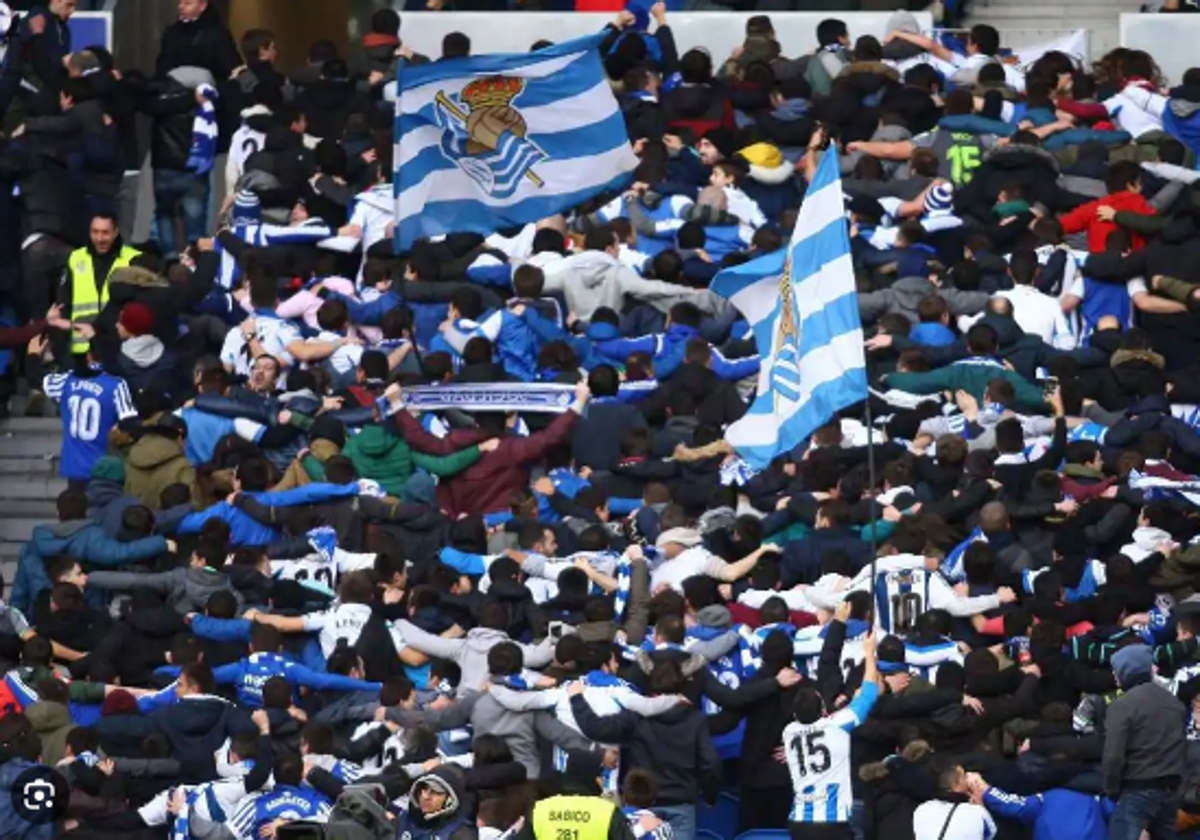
803,308
493,141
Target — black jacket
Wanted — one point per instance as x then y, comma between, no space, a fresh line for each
675,745
596,438
49,188
204,42
195,727
171,105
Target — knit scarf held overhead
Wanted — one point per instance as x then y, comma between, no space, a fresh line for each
204,133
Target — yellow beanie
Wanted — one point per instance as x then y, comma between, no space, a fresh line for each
763,154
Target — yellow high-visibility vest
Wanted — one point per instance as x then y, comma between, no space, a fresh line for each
86,299
573,818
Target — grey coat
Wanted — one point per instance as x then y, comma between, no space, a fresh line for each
1144,738
906,294
187,590
520,730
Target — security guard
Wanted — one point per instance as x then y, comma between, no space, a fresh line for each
85,286
579,812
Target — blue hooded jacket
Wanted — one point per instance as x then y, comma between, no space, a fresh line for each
82,539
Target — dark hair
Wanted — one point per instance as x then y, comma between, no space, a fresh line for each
72,505
456,45
505,659
604,381
831,31
985,38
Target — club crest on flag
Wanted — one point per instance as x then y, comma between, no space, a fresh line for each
485,135
785,372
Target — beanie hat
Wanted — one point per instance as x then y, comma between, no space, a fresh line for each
940,199
763,154
328,428
247,209
1133,665
137,318
118,702
109,468
722,138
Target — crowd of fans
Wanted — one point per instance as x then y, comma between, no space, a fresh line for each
278,593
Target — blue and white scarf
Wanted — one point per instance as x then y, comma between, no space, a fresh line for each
323,541
204,133
735,472
544,398
952,566
624,584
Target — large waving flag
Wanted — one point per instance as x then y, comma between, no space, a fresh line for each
493,141
803,308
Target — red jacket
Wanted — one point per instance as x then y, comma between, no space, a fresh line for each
1085,218
487,485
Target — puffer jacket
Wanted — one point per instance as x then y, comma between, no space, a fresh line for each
154,464
51,721
82,539
386,458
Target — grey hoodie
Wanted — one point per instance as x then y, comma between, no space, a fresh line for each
520,730
187,590
906,294
471,652
594,279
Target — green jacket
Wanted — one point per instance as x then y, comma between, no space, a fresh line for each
80,691
971,375
380,455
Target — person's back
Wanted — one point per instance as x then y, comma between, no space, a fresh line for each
92,405
1144,744
677,746
1057,814
596,438
942,819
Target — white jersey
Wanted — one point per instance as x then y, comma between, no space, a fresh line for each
313,571
933,820
818,759
809,641
391,751
343,621
274,334
245,142
901,597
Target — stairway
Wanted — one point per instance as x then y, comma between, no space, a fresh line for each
1023,23
29,482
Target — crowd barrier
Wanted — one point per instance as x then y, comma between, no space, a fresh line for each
718,32
1171,39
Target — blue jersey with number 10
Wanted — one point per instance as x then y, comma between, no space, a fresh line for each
90,406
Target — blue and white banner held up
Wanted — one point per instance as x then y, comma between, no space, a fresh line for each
803,308
493,141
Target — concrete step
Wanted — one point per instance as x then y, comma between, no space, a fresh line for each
17,530
43,425
44,467
42,509
32,487
29,445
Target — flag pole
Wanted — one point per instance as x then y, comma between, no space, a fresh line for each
871,484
